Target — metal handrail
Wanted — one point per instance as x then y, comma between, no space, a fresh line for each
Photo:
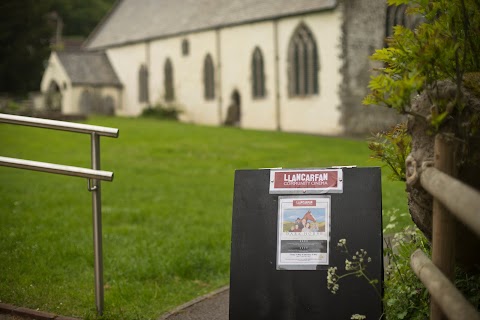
94,176
59,125
56,168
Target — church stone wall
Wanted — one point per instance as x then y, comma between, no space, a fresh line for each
363,32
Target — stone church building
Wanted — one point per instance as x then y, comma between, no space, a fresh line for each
298,66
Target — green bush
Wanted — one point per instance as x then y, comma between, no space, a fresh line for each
405,297
392,148
161,111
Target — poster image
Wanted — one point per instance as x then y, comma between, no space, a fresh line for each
303,232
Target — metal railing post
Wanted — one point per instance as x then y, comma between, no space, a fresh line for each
94,176
97,224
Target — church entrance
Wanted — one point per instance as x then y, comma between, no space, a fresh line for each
53,98
234,110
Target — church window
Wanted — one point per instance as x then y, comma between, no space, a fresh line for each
209,78
168,80
258,76
397,16
143,84
303,63
185,47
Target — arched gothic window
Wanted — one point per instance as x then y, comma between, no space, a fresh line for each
143,84
185,47
397,15
258,76
303,63
53,98
168,80
209,78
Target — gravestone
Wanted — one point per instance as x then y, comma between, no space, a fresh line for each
263,287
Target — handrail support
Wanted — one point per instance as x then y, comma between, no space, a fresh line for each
93,176
97,224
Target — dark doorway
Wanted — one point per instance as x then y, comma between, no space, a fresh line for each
53,98
234,110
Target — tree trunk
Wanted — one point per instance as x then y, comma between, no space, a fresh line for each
463,123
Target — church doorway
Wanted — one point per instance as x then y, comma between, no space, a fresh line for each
53,98
234,109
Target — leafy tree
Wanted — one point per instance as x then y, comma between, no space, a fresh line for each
26,29
81,16
432,73
446,46
24,44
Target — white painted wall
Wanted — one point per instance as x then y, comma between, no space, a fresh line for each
318,113
71,93
104,91
126,62
56,72
314,114
187,75
237,46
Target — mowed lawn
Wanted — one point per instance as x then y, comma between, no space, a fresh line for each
166,215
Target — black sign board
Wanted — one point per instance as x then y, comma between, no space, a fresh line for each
259,291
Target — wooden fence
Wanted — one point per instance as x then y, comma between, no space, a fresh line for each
453,200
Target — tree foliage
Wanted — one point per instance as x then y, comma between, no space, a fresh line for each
24,44
446,46
26,30
432,73
80,16
392,147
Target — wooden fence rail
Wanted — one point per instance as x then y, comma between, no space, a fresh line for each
461,200
456,307
452,198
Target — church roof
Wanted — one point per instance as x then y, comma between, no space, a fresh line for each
92,68
138,20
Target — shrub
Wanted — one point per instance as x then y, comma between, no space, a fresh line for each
392,147
405,297
161,111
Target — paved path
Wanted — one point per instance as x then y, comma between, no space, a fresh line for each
11,312
213,306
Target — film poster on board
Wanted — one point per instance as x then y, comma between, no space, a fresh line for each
303,232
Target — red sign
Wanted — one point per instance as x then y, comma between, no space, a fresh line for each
304,203
306,181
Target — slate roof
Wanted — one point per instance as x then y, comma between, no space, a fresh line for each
91,68
138,20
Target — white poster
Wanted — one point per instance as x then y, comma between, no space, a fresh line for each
303,232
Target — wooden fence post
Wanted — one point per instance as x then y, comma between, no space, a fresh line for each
443,222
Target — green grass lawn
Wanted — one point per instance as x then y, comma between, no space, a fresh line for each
166,215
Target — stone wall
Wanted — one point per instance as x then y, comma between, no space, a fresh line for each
363,32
